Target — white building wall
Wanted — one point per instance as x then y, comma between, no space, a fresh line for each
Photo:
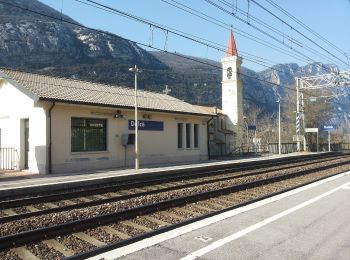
232,99
15,107
156,147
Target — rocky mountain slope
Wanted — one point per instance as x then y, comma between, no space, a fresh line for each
37,43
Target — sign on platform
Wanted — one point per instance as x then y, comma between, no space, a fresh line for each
311,130
251,127
313,99
147,125
256,140
327,127
297,138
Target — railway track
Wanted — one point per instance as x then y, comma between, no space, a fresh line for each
149,209
11,210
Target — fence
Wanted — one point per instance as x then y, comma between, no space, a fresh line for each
334,147
8,158
285,148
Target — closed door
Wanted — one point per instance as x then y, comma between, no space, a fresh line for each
26,143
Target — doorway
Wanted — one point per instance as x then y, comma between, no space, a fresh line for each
26,143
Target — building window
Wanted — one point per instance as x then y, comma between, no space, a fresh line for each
188,135
179,135
196,135
89,135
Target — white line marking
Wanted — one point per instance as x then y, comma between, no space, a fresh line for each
122,251
258,225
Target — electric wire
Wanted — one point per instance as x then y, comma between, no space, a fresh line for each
263,31
142,44
199,40
226,26
296,30
282,34
306,27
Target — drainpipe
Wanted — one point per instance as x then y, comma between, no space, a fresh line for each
208,145
50,138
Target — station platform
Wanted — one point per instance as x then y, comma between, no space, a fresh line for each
310,222
24,183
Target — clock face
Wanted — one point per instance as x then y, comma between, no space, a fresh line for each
229,72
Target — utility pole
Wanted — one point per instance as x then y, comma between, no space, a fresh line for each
137,155
297,124
279,126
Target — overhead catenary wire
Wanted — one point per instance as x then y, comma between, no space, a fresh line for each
300,33
306,27
242,33
257,28
281,33
199,40
224,25
135,42
169,29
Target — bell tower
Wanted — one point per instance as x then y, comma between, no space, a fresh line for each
232,92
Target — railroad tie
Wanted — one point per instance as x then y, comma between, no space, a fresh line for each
215,205
51,205
89,239
135,225
188,211
59,247
100,197
112,231
126,192
24,253
172,215
84,199
68,202
161,186
220,200
115,194
9,212
157,221
202,207
139,190
32,209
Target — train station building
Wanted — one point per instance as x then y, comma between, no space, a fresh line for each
60,125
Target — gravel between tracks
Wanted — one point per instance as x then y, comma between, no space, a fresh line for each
63,217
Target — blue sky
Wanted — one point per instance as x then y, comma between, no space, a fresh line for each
331,19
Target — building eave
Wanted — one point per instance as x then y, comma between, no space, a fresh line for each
124,107
20,87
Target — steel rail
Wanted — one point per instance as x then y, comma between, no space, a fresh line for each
119,244
138,194
26,237
151,192
192,173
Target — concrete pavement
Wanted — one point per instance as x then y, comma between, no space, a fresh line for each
309,223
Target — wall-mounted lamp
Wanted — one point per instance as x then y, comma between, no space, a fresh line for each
118,114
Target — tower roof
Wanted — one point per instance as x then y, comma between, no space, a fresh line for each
231,46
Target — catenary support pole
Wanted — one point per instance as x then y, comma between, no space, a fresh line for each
137,155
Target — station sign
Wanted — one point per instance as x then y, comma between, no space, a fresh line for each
298,138
311,130
144,125
313,99
327,127
251,127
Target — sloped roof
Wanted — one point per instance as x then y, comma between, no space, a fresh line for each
42,87
210,110
231,46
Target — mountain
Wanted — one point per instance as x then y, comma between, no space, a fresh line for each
39,43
